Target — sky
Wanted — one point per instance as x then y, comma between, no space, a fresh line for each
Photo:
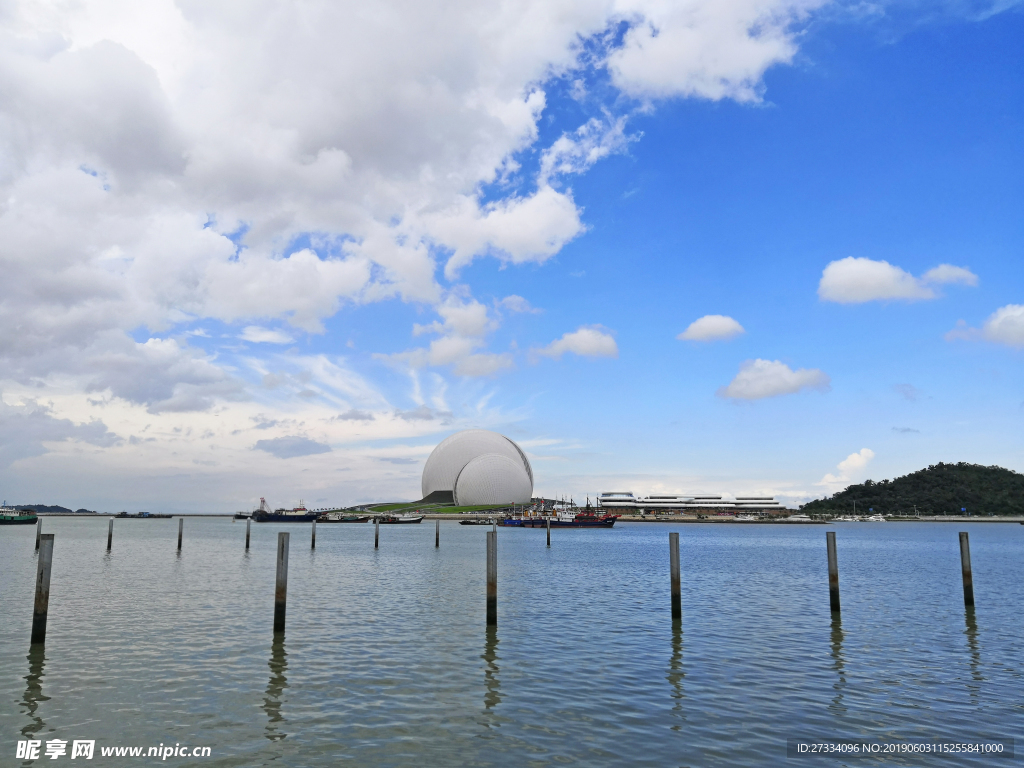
283,249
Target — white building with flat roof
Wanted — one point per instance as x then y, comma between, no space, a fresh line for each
627,501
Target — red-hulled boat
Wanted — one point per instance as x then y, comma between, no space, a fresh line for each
573,518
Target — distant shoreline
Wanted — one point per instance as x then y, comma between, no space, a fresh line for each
1015,519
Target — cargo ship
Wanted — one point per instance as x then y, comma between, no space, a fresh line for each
297,515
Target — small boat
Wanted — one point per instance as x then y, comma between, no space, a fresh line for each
13,516
490,521
298,515
337,517
398,519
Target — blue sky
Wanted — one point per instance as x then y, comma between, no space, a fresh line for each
889,136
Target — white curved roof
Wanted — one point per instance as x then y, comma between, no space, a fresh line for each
493,479
453,453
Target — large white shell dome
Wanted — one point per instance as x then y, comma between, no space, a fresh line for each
490,481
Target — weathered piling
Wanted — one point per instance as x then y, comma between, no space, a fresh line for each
492,578
248,524
376,532
181,527
965,567
281,585
110,534
39,532
549,531
42,603
833,572
437,534
673,564
312,541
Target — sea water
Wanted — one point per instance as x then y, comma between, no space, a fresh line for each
386,659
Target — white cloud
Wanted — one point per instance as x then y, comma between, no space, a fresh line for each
711,328
463,328
515,303
1004,326
164,163
27,427
585,341
758,379
592,141
258,335
850,469
515,230
711,51
855,280
948,274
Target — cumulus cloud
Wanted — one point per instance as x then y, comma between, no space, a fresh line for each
711,328
585,341
1004,326
947,274
291,446
710,51
258,335
515,303
758,379
163,165
855,280
24,429
463,328
850,469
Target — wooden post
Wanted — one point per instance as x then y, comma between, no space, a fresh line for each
312,542
42,604
181,527
965,566
39,531
281,585
248,523
110,534
549,531
376,532
673,564
437,533
492,578
833,572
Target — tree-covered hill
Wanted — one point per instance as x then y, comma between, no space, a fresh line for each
941,489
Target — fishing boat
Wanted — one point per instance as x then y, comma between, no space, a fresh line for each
479,521
297,515
335,516
572,517
13,516
398,519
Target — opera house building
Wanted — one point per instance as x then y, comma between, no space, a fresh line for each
477,467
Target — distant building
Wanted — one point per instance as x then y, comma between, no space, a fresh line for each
626,501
